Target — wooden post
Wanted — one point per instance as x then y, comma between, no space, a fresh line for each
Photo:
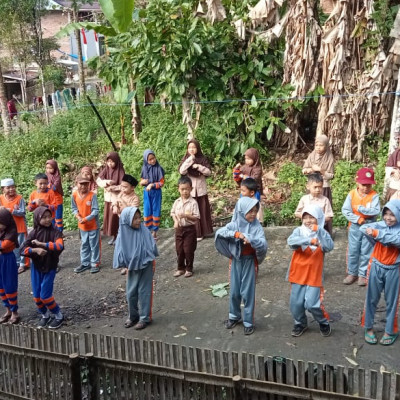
75,369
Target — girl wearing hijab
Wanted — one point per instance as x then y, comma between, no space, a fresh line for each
243,242
8,267
44,245
152,179
136,249
54,177
252,168
321,160
309,243
109,179
196,166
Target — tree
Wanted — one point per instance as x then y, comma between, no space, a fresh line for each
3,106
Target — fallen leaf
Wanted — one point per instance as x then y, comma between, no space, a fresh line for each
351,361
180,334
197,337
266,316
266,301
290,344
187,312
183,327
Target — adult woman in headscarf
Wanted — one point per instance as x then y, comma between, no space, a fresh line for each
196,166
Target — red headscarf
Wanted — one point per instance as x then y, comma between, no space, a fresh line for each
114,174
55,178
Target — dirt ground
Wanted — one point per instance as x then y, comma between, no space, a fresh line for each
185,312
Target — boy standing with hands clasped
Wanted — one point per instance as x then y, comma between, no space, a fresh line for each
361,206
86,209
383,273
185,213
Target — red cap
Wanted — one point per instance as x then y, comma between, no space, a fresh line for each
365,176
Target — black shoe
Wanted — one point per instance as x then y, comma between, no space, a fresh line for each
248,330
231,323
325,329
81,268
43,322
94,270
56,323
298,330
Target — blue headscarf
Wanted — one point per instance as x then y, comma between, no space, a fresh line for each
154,173
134,248
229,246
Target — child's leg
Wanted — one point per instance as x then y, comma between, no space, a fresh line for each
248,290
374,290
145,291
85,248
354,249
392,300
23,261
365,255
189,246
36,281
95,247
234,292
147,210
46,291
132,284
10,280
59,217
297,296
180,252
156,206
313,303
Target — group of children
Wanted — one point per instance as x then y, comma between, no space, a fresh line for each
373,253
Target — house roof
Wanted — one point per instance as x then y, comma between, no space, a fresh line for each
13,76
63,4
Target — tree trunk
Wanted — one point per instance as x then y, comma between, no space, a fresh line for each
136,120
81,70
3,106
44,98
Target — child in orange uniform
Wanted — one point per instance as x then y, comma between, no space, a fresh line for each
42,196
86,209
16,205
310,242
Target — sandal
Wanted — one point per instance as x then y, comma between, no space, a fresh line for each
15,320
140,325
387,340
123,271
5,318
129,323
370,339
21,269
188,274
179,272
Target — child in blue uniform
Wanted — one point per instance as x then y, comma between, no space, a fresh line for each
309,243
361,206
243,242
152,178
44,245
383,273
136,249
8,267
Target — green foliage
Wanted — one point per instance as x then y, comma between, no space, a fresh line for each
342,183
54,74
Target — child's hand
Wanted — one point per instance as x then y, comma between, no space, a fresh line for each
149,187
144,182
245,240
81,220
15,207
176,224
238,165
314,242
115,210
369,231
195,166
40,252
35,242
316,168
40,202
307,171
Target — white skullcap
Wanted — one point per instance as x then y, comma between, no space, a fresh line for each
7,182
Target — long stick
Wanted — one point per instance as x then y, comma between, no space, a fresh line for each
102,123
